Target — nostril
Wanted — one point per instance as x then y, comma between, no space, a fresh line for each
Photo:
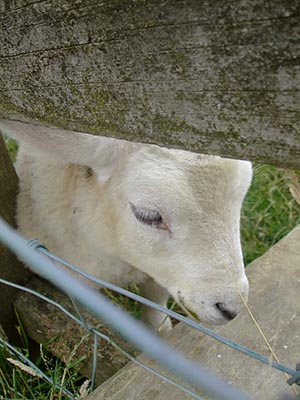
225,312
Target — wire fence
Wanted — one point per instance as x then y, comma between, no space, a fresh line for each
44,263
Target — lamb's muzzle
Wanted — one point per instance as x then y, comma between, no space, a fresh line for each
226,313
133,213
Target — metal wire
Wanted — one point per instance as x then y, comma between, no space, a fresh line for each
40,247
130,329
36,245
86,325
28,362
95,358
80,321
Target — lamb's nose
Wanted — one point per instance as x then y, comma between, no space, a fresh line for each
228,314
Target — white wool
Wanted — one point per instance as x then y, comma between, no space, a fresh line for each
77,196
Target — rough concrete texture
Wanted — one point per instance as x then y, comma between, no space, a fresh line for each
216,76
11,268
66,339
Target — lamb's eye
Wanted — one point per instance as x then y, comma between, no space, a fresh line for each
148,217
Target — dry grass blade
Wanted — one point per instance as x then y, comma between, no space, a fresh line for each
293,182
24,367
254,320
270,348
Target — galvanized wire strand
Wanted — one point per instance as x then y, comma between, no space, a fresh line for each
132,330
76,308
42,375
150,369
80,321
95,360
173,314
96,333
41,296
86,325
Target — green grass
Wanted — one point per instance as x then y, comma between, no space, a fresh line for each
16,383
12,148
269,213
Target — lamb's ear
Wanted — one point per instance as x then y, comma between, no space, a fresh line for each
99,153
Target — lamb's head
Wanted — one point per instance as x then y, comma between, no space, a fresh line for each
177,219
172,214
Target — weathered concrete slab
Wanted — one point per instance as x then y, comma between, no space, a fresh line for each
274,300
65,339
216,76
11,268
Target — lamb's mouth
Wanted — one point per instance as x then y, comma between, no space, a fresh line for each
191,314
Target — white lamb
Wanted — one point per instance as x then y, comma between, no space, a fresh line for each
133,213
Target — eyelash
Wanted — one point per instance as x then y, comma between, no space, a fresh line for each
148,217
